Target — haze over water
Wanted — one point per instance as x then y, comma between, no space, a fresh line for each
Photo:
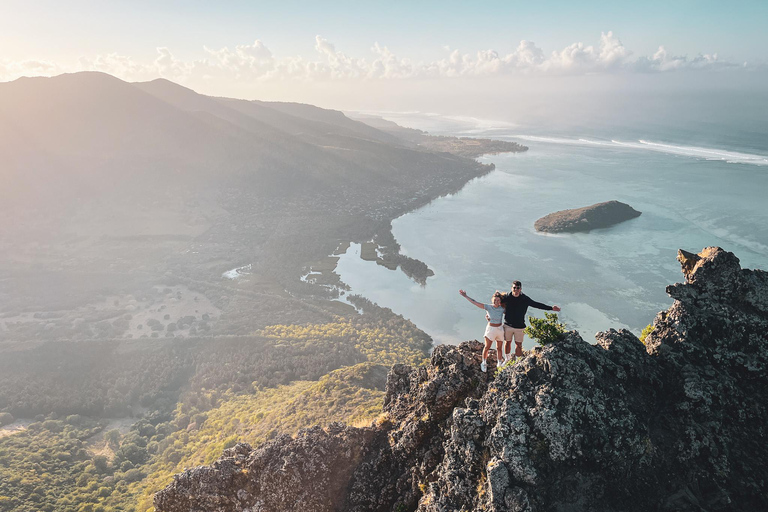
692,191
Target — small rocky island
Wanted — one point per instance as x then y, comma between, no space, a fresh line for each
600,215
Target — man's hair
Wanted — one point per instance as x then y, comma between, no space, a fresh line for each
517,283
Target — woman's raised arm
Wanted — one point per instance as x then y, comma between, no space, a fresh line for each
470,299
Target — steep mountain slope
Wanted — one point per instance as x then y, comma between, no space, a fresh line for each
677,424
112,178
124,206
290,118
379,156
188,100
333,118
97,130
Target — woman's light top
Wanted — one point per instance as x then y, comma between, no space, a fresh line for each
496,314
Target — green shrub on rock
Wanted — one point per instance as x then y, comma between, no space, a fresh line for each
645,332
545,330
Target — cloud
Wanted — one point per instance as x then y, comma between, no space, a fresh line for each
165,65
245,61
387,65
10,70
255,63
662,61
170,67
118,65
578,57
612,51
526,56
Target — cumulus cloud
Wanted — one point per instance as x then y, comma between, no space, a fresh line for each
118,65
612,51
10,70
165,65
526,56
578,57
387,65
255,62
662,61
249,61
169,66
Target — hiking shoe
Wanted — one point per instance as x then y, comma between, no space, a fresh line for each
483,366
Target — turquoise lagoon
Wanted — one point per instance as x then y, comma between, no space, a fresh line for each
481,238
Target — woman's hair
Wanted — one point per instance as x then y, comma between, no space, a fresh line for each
497,294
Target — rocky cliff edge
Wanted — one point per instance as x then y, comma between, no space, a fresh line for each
676,424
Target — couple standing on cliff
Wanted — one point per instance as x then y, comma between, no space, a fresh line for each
511,308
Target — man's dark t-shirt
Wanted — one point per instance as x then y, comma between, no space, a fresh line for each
516,307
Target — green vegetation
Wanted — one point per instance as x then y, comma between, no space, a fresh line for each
48,468
376,342
116,378
545,330
191,399
124,320
179,402
646,331
52,465
353,395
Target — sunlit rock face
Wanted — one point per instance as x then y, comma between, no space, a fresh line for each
676,424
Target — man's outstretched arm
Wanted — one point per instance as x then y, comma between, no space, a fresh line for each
538,305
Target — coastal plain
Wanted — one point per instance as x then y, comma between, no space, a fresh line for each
122,336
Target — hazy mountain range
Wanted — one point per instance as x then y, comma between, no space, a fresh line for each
128,179
93,132
122,207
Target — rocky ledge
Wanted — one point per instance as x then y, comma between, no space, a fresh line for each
600,215
679,423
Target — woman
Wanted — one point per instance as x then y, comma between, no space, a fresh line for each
494,330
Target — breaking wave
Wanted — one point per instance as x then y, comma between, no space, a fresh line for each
731,157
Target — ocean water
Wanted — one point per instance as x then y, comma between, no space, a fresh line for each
692,192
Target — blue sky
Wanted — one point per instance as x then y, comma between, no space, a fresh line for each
44,28
239,48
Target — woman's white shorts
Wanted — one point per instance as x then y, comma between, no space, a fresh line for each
494,333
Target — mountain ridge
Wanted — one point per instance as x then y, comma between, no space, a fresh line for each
116,304
97,125
676,423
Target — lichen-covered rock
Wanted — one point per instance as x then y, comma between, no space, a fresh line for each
676,424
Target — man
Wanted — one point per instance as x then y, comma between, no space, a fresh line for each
516,306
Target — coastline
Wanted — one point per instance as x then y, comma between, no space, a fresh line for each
380,244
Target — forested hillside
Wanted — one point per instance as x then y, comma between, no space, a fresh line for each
184,401
151,260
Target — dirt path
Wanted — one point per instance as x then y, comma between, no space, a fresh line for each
96,445
14,428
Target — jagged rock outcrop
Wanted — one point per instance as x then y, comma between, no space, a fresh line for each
344,468
600,215
677,424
